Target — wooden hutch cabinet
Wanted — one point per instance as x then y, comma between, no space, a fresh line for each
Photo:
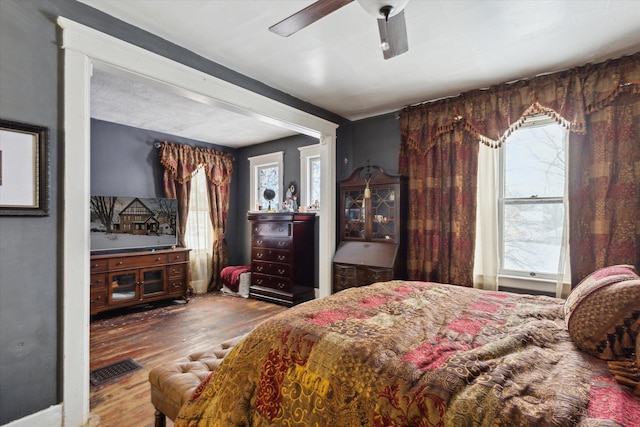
124,279
282,257
372,228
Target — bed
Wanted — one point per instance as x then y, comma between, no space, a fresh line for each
406,353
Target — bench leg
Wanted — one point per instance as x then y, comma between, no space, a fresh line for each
161,419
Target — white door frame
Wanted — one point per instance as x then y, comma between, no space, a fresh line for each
85,48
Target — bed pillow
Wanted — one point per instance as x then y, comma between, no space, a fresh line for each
602,312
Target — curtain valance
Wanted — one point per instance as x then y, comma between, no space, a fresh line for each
182,161
491,115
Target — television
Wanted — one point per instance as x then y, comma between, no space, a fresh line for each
132,223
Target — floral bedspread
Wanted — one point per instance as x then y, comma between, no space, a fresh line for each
412,354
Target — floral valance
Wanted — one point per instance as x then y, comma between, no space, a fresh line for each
182,161
491,115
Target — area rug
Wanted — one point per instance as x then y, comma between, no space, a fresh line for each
115,370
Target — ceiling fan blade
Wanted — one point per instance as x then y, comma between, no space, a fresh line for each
393,35
307,16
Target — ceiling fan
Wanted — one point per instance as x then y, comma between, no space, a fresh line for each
390,15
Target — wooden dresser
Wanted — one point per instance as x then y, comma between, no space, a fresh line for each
124,279
282,257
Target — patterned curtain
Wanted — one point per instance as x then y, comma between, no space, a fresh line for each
180,163
490,116
219,168
441,229
604,195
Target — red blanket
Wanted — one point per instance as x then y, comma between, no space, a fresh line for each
230,276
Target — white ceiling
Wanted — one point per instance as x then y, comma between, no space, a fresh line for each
336,63
118,99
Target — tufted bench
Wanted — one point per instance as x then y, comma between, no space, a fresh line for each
173,384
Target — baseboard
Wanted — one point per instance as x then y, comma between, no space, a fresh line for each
50,417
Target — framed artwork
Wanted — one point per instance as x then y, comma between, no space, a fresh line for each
24,169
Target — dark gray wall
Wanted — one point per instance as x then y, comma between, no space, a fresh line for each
124,162
29,316
30,248
377,139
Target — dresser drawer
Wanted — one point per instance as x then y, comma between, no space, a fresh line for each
271,242
177,270
98,265
273,282
180,256
98,281
265,254
379,274
138,261
176,286
97,299
271,268
272,229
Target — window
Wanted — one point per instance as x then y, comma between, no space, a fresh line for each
531,201
310,176
199,233
267,172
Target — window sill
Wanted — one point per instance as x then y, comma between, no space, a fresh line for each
527,283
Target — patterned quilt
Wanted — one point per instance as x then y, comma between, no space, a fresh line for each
405,353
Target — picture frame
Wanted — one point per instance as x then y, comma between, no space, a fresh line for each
24,169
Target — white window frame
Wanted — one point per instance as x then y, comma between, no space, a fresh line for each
263,160
307,155
543,282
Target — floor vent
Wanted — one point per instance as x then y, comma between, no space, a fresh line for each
115,370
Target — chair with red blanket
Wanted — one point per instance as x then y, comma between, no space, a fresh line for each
236,280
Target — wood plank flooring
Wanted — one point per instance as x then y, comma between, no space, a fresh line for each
156,334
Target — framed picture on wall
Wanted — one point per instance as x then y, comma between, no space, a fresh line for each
24,169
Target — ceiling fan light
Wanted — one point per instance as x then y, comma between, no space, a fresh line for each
374,7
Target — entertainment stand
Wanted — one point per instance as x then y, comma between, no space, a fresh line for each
125,279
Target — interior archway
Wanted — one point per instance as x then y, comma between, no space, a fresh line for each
85,48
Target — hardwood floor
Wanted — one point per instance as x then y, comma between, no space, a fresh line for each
155,334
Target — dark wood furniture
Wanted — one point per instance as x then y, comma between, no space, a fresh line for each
282,257
372,228
124,279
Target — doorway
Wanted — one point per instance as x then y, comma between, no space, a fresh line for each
85,48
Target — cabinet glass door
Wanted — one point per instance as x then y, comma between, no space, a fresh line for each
152,281
123,286
383,208
354,225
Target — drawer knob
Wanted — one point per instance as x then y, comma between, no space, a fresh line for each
119,263
259,281
281,257
158,259
281,285
259,268
259,242
282,243
281,271
259,255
